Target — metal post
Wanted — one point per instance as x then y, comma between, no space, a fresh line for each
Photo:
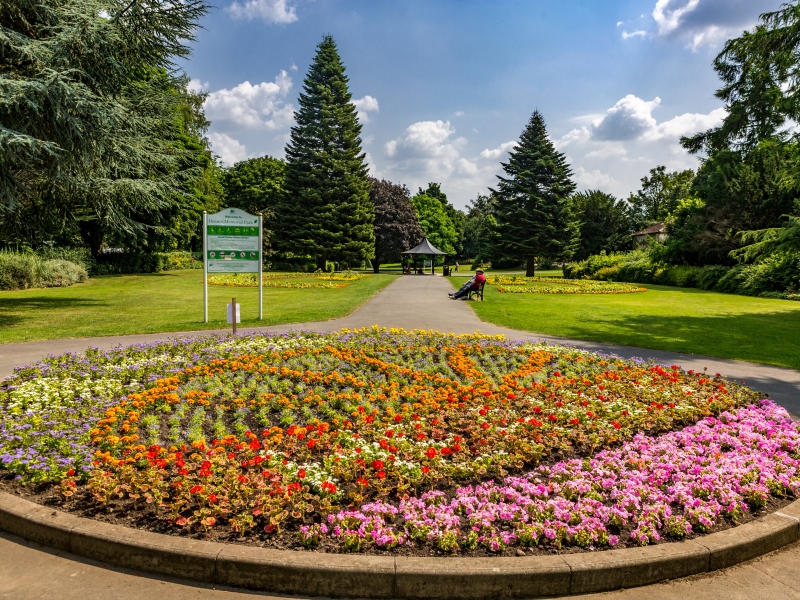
260,267
205,268
233,314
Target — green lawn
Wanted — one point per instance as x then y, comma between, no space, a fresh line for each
662,318
171,301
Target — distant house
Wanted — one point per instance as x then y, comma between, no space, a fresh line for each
655,232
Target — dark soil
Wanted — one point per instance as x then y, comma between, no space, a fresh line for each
122,512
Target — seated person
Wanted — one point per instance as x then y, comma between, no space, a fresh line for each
473,284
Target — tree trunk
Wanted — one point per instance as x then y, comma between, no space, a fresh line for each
322,262
92,234
376,265
530,269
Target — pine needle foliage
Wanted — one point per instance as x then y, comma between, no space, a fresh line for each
533,206
88,106
326,211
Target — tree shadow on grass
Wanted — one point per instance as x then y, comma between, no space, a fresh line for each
15,310
762,337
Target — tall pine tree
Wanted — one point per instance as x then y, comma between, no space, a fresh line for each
326,211
533,210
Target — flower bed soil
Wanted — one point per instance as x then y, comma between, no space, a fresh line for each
385,441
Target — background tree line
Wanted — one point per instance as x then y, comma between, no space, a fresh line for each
102,145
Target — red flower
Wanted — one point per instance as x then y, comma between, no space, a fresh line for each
381,475
430,453
70,472
196,489
362,482
425,470
398,418
311,443
552,418
615,424
389,433
255,445
487,394
512,395
574,421
301,473
377,465
446,451
212,498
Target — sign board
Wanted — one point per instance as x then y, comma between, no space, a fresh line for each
232,244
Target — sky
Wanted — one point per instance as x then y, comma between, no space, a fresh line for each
444,88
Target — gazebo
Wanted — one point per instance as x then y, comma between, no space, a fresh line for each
426,248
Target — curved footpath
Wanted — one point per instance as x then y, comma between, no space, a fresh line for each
29,570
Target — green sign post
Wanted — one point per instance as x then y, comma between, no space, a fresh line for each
232,243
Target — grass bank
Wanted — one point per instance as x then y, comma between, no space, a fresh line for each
663,318
160,302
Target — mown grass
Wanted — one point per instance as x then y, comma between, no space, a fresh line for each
663,318
170,301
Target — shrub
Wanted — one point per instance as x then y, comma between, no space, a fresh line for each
62,273
23,270
117,261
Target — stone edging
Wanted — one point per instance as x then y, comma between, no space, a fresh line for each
342,575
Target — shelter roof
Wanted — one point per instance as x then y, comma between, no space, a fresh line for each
424,247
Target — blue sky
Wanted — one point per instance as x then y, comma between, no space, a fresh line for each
445,87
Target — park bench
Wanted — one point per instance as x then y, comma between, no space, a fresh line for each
478,292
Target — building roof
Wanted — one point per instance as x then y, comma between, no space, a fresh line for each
424,247
657,228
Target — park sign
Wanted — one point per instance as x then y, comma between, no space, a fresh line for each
232,244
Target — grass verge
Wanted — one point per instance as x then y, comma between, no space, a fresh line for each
159,302
688,320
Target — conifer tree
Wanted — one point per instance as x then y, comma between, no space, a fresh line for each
326,211
533,211
88,108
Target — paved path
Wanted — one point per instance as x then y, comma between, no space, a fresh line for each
28,571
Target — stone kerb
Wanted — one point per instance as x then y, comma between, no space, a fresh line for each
365,576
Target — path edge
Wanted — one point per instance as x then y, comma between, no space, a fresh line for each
367,576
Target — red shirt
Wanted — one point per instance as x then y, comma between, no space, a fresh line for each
480,279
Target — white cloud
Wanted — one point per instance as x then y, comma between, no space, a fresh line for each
609,150
269,11
689,124
426,139
639,33
595,180
260,105
628,119
459,113
496,153
364,106
229,150
707,22
574,136
668,14
197,86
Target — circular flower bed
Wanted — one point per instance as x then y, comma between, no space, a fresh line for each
375,439
516,284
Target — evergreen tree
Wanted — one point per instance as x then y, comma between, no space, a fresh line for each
88,109
533,211
396,225
326,211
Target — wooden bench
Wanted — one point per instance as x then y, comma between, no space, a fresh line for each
478,292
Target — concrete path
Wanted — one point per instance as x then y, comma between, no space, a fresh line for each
28,571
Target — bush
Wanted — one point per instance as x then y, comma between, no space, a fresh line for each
23,270
775,276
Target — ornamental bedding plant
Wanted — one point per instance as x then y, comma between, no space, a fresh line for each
381,440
